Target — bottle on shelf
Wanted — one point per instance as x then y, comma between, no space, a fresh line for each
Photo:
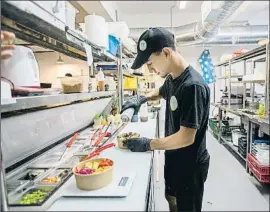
144,112
101,80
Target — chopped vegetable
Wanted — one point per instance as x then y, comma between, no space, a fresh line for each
51,180
94,167
34,197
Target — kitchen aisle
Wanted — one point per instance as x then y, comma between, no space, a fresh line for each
228,186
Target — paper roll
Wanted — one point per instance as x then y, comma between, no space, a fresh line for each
96,29
127,115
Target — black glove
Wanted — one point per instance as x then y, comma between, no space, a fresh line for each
134,103
138,144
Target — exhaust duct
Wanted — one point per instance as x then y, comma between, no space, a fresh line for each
212,32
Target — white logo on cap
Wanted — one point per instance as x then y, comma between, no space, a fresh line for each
142,45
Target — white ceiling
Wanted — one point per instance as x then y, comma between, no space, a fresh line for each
139,7
157,13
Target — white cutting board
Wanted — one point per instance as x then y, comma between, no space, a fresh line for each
119,188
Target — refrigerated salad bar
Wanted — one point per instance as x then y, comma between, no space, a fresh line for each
57,170
35,183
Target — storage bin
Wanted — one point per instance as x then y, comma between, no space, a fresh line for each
130,83
70,15
262,169
261,178
113,45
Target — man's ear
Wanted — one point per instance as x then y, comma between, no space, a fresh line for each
168,52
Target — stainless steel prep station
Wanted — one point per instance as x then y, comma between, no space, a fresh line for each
33,140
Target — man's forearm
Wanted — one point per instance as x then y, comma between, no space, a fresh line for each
175,141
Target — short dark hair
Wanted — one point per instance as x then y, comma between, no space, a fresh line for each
158,52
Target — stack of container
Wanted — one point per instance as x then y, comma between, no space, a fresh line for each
242,146
258,160
261,172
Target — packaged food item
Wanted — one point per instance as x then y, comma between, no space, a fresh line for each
101,79
144,112
72,85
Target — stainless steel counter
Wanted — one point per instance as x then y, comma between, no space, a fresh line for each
139,197
125,161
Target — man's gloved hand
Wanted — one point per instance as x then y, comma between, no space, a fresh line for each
138,144
134,103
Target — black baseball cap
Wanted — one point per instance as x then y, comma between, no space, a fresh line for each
151,41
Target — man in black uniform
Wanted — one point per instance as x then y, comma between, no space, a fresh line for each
187,109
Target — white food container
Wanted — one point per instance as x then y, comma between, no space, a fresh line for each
70,15
22,68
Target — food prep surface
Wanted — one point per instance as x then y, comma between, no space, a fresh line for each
124,162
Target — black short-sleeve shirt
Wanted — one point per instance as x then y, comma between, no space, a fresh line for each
187,104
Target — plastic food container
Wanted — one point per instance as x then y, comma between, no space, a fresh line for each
72,85
93,181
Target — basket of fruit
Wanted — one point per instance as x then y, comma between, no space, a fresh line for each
121,139
93,174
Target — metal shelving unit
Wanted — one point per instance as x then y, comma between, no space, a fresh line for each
260,54
48,100
35,30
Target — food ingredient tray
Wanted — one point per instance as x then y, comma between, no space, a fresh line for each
53,160
33,196
84,149
72,161
55,177
58,153
49,162
29,174
13,185
81,141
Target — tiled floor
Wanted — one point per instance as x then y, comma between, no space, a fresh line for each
228,186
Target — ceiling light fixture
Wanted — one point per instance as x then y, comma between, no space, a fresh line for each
60,60
181,4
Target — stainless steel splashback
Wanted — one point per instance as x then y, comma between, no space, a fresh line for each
26,134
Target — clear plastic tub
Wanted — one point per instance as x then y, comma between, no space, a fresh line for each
72,85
